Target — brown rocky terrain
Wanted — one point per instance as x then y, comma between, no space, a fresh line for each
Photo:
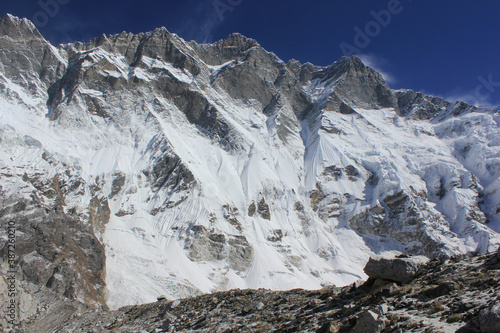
459,294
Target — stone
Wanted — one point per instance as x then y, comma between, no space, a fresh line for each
369,322
402,220
263,209
391,265
489,319
382,309
379,283
440,290
368,86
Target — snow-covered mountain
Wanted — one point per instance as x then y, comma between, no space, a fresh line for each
141,165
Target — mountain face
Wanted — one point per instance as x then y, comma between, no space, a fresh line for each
142,165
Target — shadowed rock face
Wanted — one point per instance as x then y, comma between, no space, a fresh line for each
416,105
26,57
389,223
167,172
57,251
19,29
252,78
359,85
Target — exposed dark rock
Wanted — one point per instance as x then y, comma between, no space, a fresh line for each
275,235
251,79
394,267
99,212
27,58
167,171
352,173
369,322
240,253
57,251
333,171
205,245
251,209
263,209
234,47
118,182
416,105
439,290
489,319
368,86
231,215
316,196
404,221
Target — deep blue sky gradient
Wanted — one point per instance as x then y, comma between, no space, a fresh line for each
438,47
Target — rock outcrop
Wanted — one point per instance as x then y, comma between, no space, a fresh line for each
54,250
394,266
489,319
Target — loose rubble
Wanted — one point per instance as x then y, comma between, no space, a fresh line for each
460,294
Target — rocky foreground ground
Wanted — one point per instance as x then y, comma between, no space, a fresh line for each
403,294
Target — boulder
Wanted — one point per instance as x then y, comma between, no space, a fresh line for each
369,322
498,254
489,319
394,266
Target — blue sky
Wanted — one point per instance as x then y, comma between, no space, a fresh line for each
448,48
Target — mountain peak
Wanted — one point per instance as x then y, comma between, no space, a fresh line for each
351,62
238,40
17,28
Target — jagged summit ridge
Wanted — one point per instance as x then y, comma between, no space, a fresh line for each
17,28
203,167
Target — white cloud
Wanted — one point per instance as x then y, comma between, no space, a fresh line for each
473,99
379,64
467,97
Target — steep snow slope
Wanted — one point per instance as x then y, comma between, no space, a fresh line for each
218,166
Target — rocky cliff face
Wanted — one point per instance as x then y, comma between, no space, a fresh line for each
159,166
